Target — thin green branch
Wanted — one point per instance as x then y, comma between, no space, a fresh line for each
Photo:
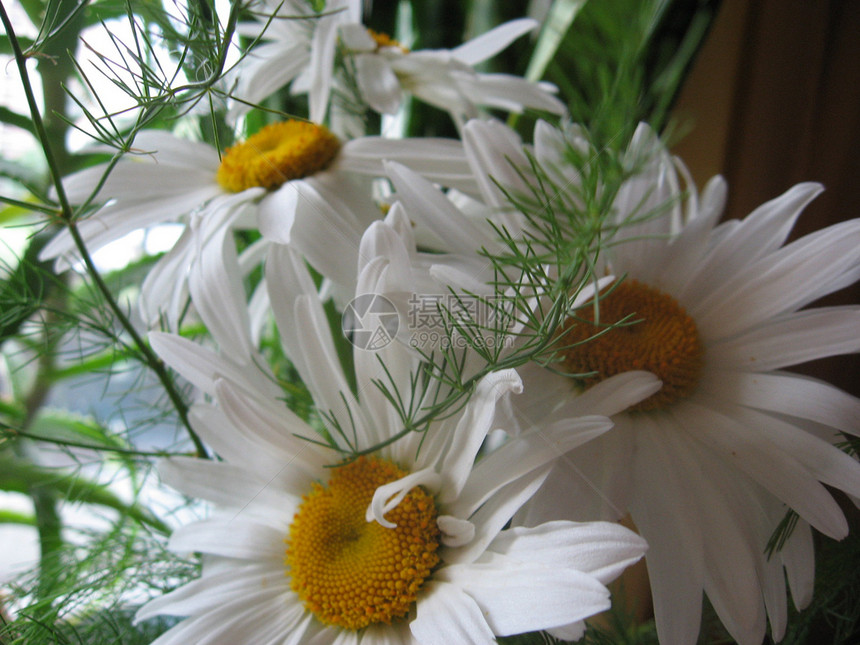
46,210
16,432
67,217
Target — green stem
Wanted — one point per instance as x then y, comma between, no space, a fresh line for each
45,501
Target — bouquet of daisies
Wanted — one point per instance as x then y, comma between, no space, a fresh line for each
328,325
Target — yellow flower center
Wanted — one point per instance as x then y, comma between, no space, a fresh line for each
350,572
384,40
657,336
277,153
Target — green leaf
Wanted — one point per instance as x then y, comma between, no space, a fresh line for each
12,409
6,45
554,29
104,361
623,61
16,119
673,42
23,175
19,476
62,425
14,517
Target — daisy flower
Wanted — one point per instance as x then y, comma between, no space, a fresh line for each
708,465
445,79
296,45
402,545
290,180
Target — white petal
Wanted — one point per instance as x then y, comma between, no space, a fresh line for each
393,364
783,281
117,219
355,38
790,394
321,371
204,479
491,518
492,42
523,454
427,205
331,214
495,152
388,496
572,632
767,464
215,284
441,161
166,149
730,520
322,62
445,614
332,635
792,339
519,597
739,244
509,93
213,427
259,311
397,633
232,539
268,68
378,83
472,427
201,366
248,618
687,250
601,549
611,396
278,213
217,590
597,475
645,206
551,149
798,555
667,519
306,337
276,431
455,531
824,461
168,276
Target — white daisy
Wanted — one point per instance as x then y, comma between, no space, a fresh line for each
444,78
289,179
406,545
709,465
296,45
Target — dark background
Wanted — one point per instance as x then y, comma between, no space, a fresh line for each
773,100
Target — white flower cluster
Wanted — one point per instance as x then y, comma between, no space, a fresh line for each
434,502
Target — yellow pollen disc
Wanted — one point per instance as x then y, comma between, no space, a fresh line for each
658,337
350,572
384,40
277,153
